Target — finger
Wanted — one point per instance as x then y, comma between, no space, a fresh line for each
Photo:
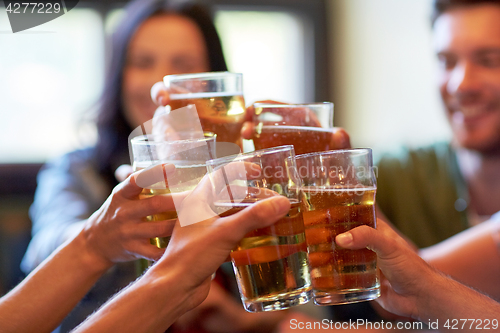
159,94
131,188
146,250
123,171
248,130
251,109
152,229
341,139
157,204
383,242
259,215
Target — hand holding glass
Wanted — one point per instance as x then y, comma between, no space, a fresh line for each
187,152
308,127
218,97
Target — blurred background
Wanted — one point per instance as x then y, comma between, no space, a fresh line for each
373,59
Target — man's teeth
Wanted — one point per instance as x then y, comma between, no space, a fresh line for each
472,111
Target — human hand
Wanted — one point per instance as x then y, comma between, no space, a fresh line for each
117,231
205,245
159,94
404,273
123,172
340,138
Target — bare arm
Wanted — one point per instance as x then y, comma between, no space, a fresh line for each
471,257
114,233
181,279
410,287
47,295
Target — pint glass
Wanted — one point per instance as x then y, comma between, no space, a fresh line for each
339,187
189,155
308,127
270,263
218,97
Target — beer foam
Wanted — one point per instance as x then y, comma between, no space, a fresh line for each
280,128
331,188
174,97
230,204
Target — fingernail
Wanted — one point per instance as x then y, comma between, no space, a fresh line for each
168,168
342,139
344,239
161,99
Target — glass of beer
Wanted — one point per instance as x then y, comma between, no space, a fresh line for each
189,152
218,97
339,187
270,263
308,127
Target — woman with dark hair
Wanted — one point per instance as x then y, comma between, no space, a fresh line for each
155,38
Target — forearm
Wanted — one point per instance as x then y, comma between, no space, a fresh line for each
464,255
49,293
151,304
444,300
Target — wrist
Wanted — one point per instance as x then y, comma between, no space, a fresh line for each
91,259
171,286
150,304
433,293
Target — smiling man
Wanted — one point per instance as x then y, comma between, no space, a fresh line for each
467,42
432,193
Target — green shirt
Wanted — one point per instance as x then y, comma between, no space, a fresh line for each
423,193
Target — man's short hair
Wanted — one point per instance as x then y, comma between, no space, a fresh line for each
439,7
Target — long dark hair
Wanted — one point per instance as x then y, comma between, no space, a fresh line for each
112,127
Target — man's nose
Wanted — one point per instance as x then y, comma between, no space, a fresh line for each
464,79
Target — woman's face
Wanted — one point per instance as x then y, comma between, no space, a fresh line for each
164,44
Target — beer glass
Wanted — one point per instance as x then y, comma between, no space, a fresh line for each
308,127
188,152
218,97
270,263
339,187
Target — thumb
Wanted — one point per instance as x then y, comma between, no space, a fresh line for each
159,94
123,171
341,139
382,241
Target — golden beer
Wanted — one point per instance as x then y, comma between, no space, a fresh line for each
185,178
337,274
304,139
271,263
219,113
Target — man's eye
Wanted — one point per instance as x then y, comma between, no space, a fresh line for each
446,62
490,60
